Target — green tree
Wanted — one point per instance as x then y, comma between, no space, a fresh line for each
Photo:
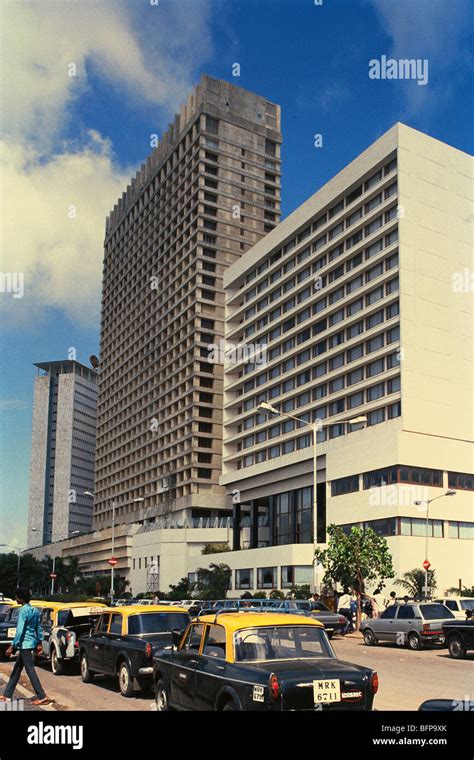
260,595
181,590
355,559
465,590
213,582
413,581
275,594
300,592
215,548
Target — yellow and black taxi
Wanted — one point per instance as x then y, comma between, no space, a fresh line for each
124,640
258,661
63,624
8,625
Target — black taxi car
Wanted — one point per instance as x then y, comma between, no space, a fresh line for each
124,640
459,637
258,661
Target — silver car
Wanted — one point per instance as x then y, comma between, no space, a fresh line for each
413,624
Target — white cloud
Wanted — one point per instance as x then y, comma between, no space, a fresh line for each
59,255
149,54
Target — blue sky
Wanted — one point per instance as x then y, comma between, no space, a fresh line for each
71,142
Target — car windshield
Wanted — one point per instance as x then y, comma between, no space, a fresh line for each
282,642
435,611
467,604
4,607
319,607
157,622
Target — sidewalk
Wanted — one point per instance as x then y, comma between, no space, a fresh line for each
21,699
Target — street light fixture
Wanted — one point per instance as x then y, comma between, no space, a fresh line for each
112,566
315,427
427,502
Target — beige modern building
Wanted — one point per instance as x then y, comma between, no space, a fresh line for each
361,302
62,451
209,191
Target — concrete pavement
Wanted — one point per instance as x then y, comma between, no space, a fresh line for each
406,678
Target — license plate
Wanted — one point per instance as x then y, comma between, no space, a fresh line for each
326,690
11,633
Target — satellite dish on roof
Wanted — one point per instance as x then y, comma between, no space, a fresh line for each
94,361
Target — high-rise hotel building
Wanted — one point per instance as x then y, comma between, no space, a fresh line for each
206,194
362,302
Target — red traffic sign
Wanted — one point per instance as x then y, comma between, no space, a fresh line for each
112,561
53,575
426,564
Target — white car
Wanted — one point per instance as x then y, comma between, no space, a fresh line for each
458,605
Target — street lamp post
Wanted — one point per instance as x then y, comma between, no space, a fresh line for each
17,549
315,427
427,503
112,560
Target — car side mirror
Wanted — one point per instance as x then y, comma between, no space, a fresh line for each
176,637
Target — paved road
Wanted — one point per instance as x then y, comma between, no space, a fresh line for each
69,693
406,679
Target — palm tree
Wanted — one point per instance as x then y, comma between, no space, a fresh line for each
413,582
213,582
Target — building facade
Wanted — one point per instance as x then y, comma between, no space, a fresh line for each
361,306
62,452
209,191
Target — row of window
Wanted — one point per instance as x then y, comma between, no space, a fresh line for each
370,274
415,526
371,297
267,577
332,212
304,441
421,476
357,375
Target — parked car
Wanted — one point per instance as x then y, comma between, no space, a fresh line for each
459,636
232,661
233,604
447,705
414,624
8,626
458,605
62,625
124,640
332,621
4,607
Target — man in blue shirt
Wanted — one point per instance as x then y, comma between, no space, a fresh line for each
28,637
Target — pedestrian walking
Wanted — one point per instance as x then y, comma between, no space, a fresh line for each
28,637
344,608
156,599
377,603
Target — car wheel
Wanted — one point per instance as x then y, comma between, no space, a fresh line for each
86,674
161,697
456,647
369,638
229,707
414,641
330,634
125,680
57,665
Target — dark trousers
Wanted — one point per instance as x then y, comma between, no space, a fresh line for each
348,614
24,660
